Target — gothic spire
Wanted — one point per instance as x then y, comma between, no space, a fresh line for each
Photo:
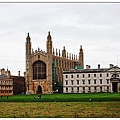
76,57
64,52
67,55
53,52
49,36
59,52
28,44
81,57
49,43
56,52
81,50
72,56
28,38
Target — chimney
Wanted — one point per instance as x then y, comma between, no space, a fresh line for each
8,74
98,66
3,71
111,65
87,66
18,73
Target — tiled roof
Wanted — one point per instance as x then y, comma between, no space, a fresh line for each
85,71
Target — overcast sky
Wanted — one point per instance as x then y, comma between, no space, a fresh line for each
95,26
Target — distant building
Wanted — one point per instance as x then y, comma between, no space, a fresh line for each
10,84
19,86
6,83
92,80
44,69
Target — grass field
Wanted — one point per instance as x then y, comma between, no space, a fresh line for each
60,110
96,97
61,106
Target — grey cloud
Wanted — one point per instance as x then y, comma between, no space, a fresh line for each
94,26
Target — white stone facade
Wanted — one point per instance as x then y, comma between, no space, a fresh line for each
89,81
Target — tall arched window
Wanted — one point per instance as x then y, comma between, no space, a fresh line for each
39,70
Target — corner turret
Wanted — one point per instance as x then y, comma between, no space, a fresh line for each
49,43
28,44
64,52
81,59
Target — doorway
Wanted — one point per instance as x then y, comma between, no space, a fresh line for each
39,89
114,86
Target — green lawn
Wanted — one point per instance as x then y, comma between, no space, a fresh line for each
61,106
63,97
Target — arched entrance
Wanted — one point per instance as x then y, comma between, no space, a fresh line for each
39,89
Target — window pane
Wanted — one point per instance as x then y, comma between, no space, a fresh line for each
94,81
66,82
38,76
39,70
77,82
94,75
83,75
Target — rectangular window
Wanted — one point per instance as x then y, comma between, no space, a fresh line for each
66,82
77,82
72,89
88,75
66,89
77,89
88,81
89,88
107,75
107,81
71,76
100,81
94,81
71,82
83,81
83,76
66,76
100,89
77,76
100,75
95,88
107,88
83,88
94,75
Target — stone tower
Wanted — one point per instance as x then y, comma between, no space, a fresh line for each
49,62
81,59
28,64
